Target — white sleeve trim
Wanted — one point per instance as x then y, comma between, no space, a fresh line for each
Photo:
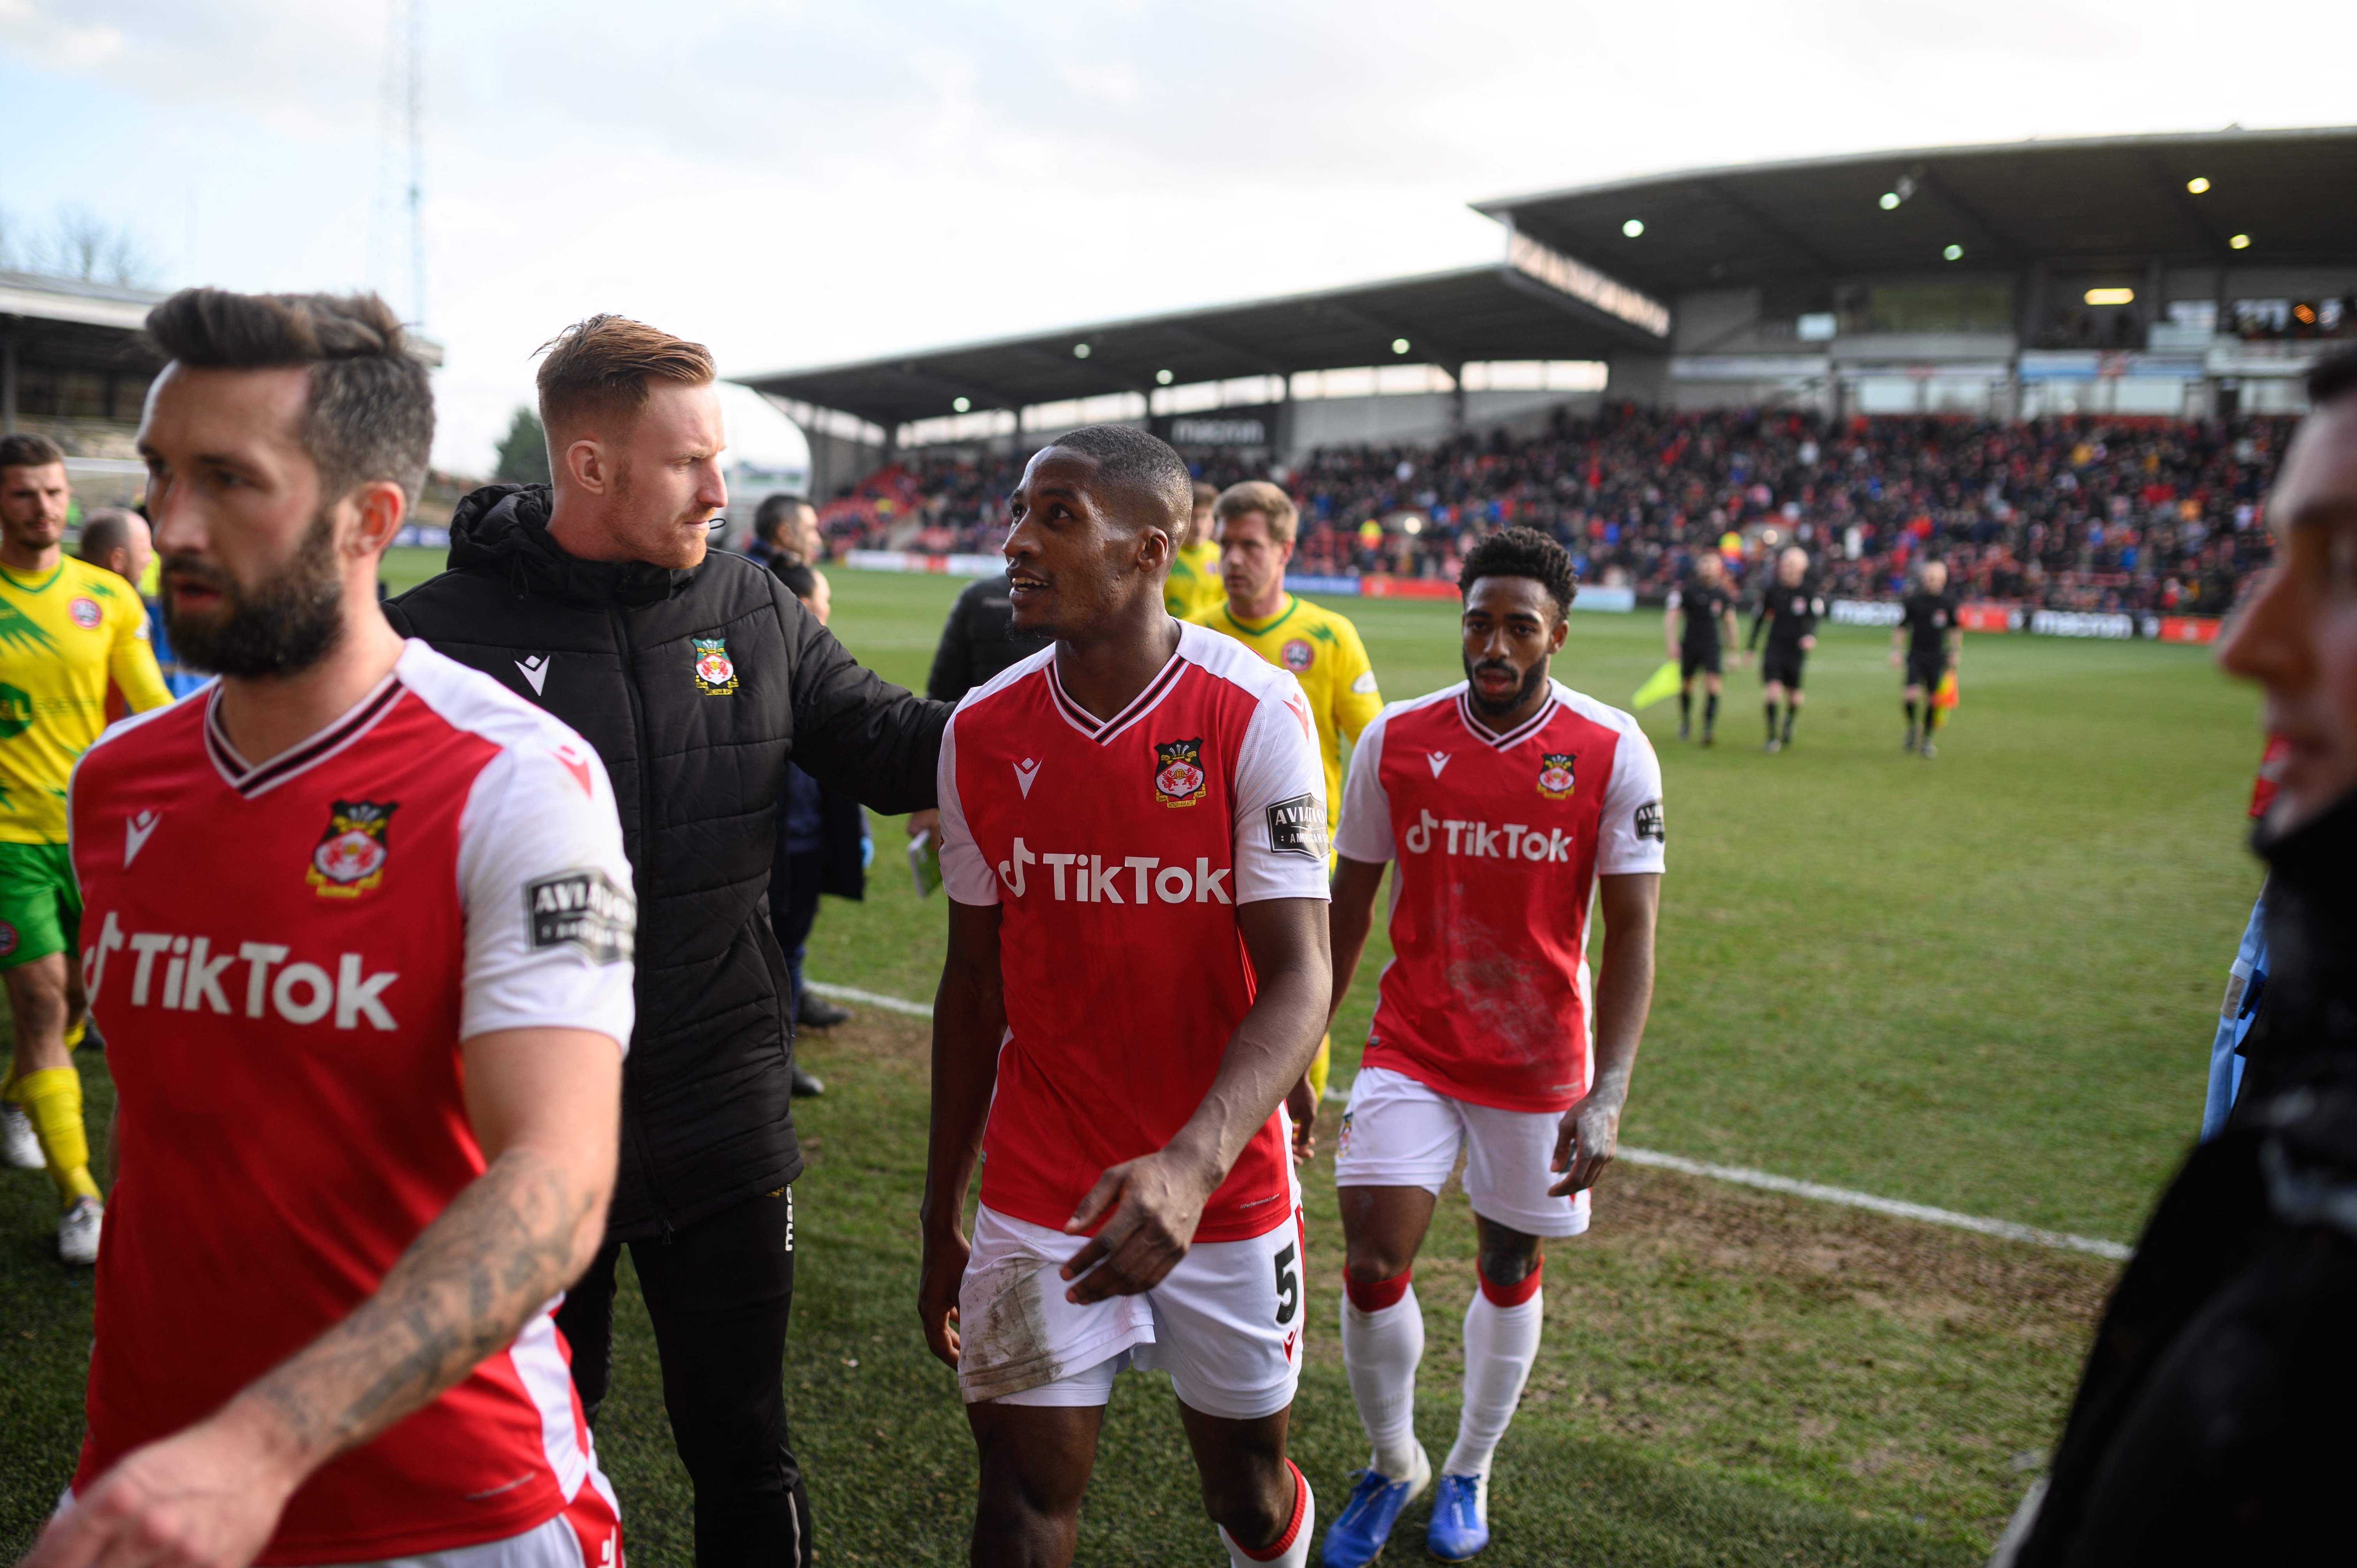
551,915
1280,801
1365,833
1630,833
966,877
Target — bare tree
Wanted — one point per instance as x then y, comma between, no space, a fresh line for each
85,246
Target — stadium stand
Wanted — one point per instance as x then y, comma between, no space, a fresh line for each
2073,514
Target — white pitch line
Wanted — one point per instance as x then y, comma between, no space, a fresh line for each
2003,1228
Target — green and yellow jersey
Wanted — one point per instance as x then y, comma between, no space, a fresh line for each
1194,589
65,637
1324,654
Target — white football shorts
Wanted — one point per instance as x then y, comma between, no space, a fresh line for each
1397,1132
1225,1322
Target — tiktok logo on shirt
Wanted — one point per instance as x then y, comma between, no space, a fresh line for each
1512,841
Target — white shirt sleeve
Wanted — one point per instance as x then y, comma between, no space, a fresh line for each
1280,801
552,919
965,875
1365,834
1628,832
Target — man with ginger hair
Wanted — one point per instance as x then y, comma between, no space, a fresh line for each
697,677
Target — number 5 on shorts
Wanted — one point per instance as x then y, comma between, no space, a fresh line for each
1289,1285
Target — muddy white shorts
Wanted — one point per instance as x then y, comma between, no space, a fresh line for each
1397,1132
1225,1322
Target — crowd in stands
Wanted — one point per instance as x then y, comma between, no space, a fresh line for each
2081,513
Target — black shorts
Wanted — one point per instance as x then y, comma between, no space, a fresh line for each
1707,660
1781,667
1927,673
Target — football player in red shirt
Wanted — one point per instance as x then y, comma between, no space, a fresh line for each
1508,801
1134,845
357,928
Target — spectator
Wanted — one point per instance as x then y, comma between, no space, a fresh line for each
823,848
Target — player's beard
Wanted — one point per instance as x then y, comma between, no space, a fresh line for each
1533,679
280,626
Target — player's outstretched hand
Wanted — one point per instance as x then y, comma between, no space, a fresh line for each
201,1499
938,1279
1585,1143
1302,1106
1808,642
1155,1202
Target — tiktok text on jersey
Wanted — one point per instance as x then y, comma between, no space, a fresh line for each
1499,839
1118,852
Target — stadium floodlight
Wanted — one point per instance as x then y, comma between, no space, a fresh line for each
959,404
1954,253
1164,378
2110,296
1634,227
1889,200
2240,241
1080,350
2198,184
1399,345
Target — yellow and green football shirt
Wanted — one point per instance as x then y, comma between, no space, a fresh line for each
1324,654
1194,589
65,637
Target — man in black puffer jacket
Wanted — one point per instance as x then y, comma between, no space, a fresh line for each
697,677
2213,1424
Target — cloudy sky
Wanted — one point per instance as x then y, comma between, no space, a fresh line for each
795,183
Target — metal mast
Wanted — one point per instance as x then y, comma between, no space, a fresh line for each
414,116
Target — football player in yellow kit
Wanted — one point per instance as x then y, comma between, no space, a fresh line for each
69,631
1193,590
1255,522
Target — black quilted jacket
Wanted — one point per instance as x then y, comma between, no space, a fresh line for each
696,687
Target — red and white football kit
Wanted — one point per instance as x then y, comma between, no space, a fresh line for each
1118,852
1483,1026
285,959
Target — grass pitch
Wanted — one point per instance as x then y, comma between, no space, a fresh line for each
1985,982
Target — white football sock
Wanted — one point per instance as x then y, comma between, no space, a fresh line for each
1501,1343
1289,1551
1380,1350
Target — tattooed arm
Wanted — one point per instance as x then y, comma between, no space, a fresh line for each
545,1105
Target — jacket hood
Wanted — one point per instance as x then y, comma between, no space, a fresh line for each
506,527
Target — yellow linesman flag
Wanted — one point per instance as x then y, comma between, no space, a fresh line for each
1945,697
1661,683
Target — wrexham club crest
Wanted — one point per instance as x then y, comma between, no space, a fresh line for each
1178,771
1555,775
350,857
716,672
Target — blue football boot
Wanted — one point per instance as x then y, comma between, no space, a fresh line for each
1460,1518
1357,1535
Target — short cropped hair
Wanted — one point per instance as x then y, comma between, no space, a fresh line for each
772,513
26,450
1260,496
103,533
800,578
1522,553
2332,379
1207,496
598,369
1144,465
370,415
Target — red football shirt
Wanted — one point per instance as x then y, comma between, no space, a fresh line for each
1499,839
285,959
1118,852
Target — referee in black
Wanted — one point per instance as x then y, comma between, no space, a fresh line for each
1928,631
1790,606
1700,645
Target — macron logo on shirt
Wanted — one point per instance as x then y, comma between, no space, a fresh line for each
136,831
1439,760
1024,771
